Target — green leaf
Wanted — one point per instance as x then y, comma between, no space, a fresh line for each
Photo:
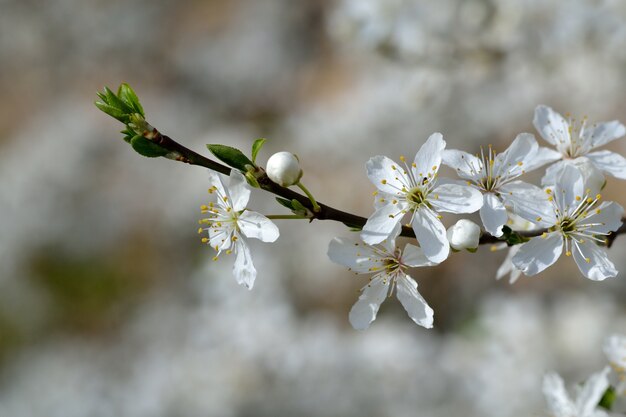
128,96
147,148
230,156
608,399
285,203
112,111
256,147
511,237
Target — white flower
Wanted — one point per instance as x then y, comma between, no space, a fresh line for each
415,189
575,222
615,351
284,169
464,234
593,177
229,222
495,174
573,141
388,264
587,399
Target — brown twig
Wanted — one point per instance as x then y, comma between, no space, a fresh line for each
181,153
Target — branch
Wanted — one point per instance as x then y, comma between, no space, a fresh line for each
181,153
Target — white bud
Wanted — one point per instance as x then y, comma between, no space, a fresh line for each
464,234
284,169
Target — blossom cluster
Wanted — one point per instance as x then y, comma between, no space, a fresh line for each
589,396
566,212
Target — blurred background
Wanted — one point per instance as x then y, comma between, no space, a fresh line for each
109,304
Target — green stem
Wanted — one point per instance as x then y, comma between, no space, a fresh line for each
316,207
286,216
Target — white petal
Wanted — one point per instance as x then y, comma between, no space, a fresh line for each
386,175
255,225
551,126
538,253
528,202
603,133
552,174
559,403
243,269
593,261
570,187
431,235
413,256
455,198
381,224
354,254
364,311
609,162
508,267
592,392
238,190
215,180
428,158
609,218
467,166
541,157
220,238
514,159
416,307
493,214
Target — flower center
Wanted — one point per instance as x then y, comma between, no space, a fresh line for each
416,197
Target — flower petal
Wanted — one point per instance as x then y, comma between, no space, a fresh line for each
220,237
428,158
608,217
512,162
593,261
493,214
603,133
353,254
453,197
364,311
467,166
538,253
529,202
386,175
591,393
238,190
508,267
609,162
552,126
215,180
431,235
413,256
414,304
570,188
559,402
541,157
243,269
256,225
382,223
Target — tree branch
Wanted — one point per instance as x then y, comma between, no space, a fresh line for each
181,153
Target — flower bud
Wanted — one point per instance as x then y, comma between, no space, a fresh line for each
284,169
464,234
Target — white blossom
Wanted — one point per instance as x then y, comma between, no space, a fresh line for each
415,189
587,397
388,263
574,140
575,222
615,351
284,169
495,175
229,223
